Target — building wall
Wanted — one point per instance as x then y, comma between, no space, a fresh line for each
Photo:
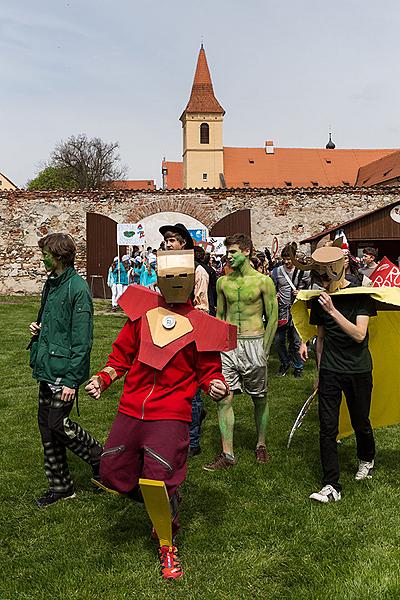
202,158
5,184
288,214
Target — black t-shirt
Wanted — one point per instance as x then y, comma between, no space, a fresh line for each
340,352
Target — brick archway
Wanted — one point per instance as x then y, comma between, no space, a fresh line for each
203,211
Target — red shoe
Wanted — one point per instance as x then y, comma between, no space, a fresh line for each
170,564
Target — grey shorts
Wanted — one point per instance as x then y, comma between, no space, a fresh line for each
245,368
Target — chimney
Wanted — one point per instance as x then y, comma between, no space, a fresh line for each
269,147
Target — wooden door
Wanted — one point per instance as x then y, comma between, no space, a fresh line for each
101,247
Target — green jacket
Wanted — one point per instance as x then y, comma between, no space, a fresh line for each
61,354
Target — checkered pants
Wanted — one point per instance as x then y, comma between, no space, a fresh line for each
58,433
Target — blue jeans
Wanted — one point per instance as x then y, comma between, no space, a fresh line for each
195,425
288,354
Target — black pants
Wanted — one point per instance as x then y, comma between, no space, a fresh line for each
58,433
357,388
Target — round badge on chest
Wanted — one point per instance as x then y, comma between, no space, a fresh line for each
169,322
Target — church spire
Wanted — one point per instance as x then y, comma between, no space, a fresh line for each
202,98
330,145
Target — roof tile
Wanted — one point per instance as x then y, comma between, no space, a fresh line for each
379,171
202,98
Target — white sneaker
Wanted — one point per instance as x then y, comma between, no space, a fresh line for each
327,494
365,470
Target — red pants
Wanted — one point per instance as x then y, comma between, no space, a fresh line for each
148,449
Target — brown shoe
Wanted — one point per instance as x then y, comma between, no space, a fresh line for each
262,455
194,452
220,462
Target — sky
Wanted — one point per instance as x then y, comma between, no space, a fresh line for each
122,70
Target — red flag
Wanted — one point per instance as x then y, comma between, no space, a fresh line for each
386,274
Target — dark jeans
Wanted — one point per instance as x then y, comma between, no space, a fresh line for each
357,388
288,354
195,425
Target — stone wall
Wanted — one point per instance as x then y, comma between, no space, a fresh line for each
289,214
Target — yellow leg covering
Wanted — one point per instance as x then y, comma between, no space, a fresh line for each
103,487
158,507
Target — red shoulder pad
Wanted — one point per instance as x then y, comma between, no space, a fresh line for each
212,334
137,300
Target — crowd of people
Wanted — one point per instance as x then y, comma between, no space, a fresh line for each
158,424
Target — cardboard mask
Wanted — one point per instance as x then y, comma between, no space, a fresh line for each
325,263
175,275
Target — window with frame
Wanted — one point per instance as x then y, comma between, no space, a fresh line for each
204,133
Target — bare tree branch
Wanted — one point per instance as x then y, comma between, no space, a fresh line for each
91,163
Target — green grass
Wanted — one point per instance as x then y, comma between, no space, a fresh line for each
249,532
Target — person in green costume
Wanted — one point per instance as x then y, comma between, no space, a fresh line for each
247,299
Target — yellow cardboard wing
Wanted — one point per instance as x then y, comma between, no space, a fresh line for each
158,508
384,345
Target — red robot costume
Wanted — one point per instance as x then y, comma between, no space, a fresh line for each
167,351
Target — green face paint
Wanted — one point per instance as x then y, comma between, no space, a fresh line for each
238,260
48,259
236,257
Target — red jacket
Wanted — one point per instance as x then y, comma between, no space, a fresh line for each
152,394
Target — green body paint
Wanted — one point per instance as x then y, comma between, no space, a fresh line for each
244,296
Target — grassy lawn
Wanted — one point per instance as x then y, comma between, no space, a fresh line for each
249,532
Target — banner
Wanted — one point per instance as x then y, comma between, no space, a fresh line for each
130,234
198,235
218,245
386,274
207,247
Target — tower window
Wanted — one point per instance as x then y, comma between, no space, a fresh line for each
251,161
314,183
204,133
288,183
205,176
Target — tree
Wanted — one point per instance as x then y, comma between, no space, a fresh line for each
79,163
91,163
52,178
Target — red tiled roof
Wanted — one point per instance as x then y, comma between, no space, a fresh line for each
202,99
288,167
133,184
173,175
379,171
295,167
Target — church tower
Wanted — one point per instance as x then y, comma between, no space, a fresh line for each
203,153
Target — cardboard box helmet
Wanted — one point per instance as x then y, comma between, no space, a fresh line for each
175,275
325,263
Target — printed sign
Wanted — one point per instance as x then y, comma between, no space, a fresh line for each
130,234
218,245
275,247
198,235
395,213
386,274
209,248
